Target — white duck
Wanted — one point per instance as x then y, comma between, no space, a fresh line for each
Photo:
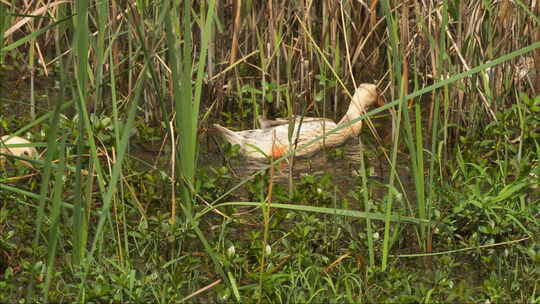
25,150
273,141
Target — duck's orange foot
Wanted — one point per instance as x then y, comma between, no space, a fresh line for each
279,150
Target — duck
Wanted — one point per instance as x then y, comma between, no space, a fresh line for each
272,139
24,148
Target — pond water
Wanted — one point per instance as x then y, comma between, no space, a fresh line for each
342,164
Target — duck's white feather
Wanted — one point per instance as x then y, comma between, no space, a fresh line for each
273,139
25,149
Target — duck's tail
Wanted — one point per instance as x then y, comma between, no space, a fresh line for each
229,135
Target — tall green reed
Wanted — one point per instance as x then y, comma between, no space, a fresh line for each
4,20
400,81
81,45
187,102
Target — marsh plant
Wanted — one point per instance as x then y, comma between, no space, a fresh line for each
132,199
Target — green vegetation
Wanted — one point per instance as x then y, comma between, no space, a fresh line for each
133,199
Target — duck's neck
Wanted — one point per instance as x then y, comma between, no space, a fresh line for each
355,128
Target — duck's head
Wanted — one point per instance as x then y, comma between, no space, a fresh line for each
366,95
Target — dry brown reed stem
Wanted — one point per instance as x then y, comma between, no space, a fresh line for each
47,8
236,31
466,66
537,51
362,27
25,20
173,173
205,288
373,13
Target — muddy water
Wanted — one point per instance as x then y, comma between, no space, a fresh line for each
343,168
342,165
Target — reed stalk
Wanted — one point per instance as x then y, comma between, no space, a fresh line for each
445,52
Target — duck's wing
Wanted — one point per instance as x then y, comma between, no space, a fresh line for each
264,143
257,143
314,120
274,141
311,128
269,123
305,131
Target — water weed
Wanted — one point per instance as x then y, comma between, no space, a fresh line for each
132,198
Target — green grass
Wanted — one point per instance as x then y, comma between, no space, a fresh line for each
443,209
